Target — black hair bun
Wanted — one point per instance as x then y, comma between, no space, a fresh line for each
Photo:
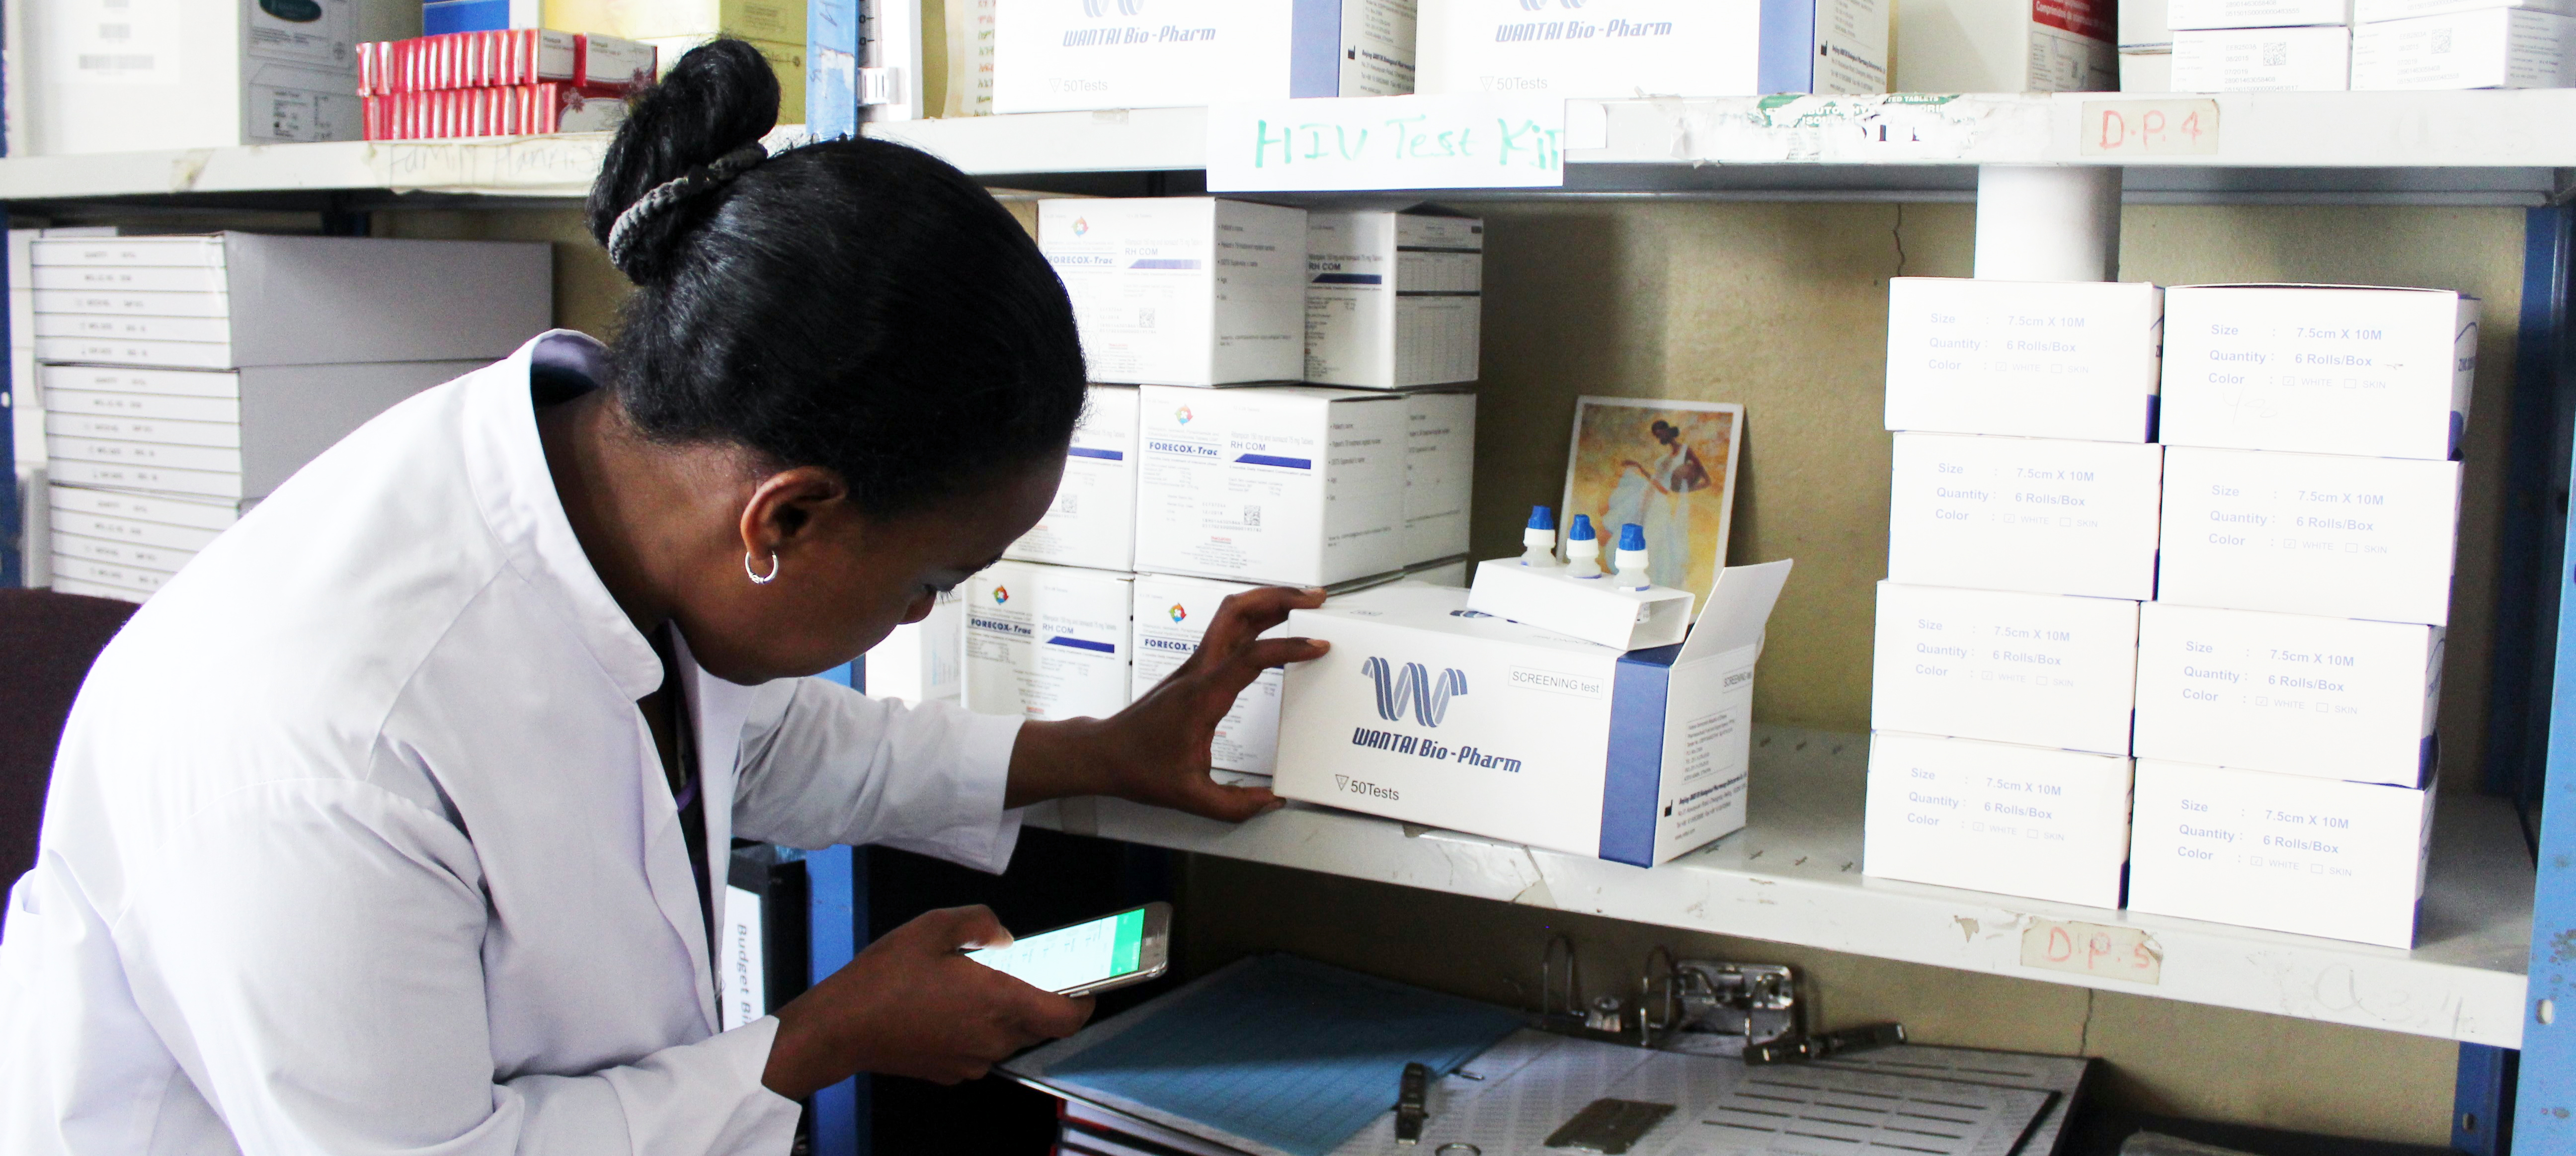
719,98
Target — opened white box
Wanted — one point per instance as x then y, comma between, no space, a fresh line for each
2240,14
2282,852
1478,724
2342,537
1172,614
2043,515
2015,820
2336,698
1151,303
1439,474
2042,670
921,661
1393,299
2043,359
1592,609
1092,521
1047,642
1288,484
1977,46
1063,57
2488,48
1654,47
2262,60
2327,369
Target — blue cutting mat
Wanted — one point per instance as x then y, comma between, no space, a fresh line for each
1287,1052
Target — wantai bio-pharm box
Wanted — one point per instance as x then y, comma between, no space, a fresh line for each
1431,713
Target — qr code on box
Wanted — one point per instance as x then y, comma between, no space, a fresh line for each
2276,53
1252,517
2441,40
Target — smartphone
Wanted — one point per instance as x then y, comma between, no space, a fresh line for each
1093,956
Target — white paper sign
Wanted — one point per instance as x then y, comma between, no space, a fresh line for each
1479,141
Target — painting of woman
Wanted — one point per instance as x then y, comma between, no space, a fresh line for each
1666,466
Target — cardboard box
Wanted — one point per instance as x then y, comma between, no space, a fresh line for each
2039,46
2282,852
1152,307
1288,484
2342,537
2047,359
1047,642
2335,698
1439,474
2041,670
2201,15
199,74
921,661
1654,47
2492,48
1172,614
1056,57
1393,299
2042,515
2327,369
2015,820
1092,521
1490,727
2263,60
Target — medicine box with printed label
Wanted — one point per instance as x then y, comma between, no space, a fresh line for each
1627,48
2326,369
2042,670
1092,521
1172,614
2343,537
2282,852
1047,642
2030,46
2015,820
921,661
2336,698
1430,713
2262,60
1439,474
2239,14
1287,484
1058,57
1182,290
2489,48
2046,359
2042,515
1393,299
96,77
2381,11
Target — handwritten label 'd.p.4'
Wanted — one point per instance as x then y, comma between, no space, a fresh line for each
2095,949
1483,141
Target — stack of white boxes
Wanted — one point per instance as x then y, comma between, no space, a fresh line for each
1066,57
2146,47
2022,537
184,378
27,415
1663,47
2289,669
2261,45
2437,44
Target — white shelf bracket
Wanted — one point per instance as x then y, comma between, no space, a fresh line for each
2048,222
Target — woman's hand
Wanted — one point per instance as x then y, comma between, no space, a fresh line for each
910,1005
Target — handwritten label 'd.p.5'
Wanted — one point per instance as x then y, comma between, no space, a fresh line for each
2097,949
1483,141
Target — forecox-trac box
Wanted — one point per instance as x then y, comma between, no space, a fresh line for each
2490,48
2263,60
1063,56
2016,820
1092,521
2043,359
1618,48
2343,537
2042,670
1393,299
1439,474
921,661
2324,369
1287,484
1047,642
1182,290
2043,515
2282,852
1172,614
2336,698
1427,714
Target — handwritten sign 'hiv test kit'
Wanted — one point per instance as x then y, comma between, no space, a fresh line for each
2323,369
2282,852
1048,642
2015,820
2336,698
2042,670
1287,484
2044,515
1654,47
1092,521
1431,713
2344,537
2042,359
1182,290
1057,57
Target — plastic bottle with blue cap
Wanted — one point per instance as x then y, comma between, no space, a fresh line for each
1538,540
1631,558
1582,550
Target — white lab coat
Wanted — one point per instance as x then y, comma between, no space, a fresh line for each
358,844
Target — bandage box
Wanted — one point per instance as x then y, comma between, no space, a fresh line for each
2243,14
1092,521
2282,852
1047,642
2262,60
1654,47
1393,299
2334,698
124,545
2042,670
2043,515
2490,48
2328,369
2016,820
2046,359
1152,304
99,78
1066,56
1172,614
2343,537
1979,46
921,661
1288,484
1439,474
1427,713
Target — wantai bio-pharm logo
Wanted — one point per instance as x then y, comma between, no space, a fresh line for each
1413,684
1541,5
1099,8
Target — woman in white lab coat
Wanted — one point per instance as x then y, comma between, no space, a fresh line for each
388,827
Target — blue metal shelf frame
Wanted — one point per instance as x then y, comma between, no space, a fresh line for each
12,572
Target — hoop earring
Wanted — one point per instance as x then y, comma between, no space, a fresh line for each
760,579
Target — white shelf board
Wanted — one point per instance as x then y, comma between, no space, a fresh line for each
561,165
1793,876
